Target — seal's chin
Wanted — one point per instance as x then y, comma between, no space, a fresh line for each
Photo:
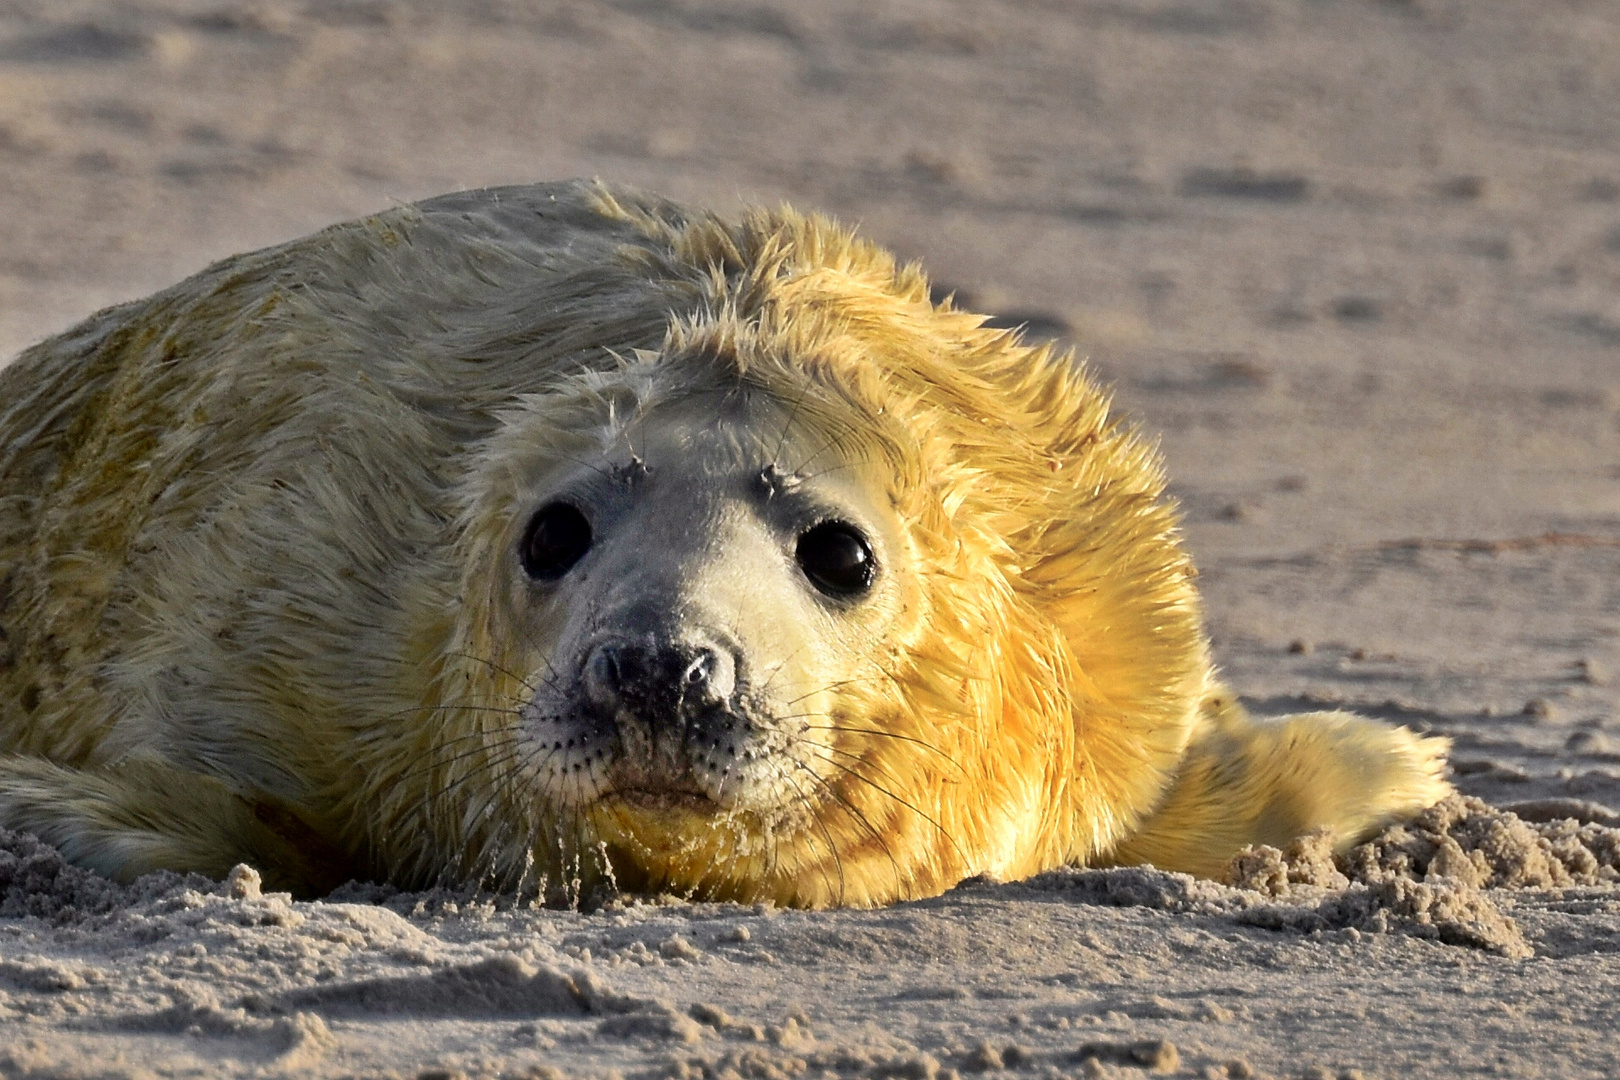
665,838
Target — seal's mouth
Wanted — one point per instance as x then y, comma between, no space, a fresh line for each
665,798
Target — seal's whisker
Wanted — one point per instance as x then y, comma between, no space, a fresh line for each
836,438
416,709
520,754
605,474
492,665
832,844
873,662
909,806
856,757
860,463
797,716
490,843
773,857
854,730
777,670
509,780
498,747
480,773
553,677
505,758
787,426
882,734
487,744
860,818
505,853
827,687
428,768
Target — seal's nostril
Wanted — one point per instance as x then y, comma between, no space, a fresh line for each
712,674
604,676
701,670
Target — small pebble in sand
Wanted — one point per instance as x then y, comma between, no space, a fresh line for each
678,948
244,883
1592,672
1587,742
983,1058
1539,709
786,1034
910,1067
1155,1055
1240,511
1159,1055
1462,188
712,1015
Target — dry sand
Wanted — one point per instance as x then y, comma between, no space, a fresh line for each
1357,260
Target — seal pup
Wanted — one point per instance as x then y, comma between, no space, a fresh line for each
548,536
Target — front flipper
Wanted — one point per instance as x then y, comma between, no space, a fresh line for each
1246,781
141,816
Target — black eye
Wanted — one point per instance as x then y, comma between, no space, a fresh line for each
836,558
558,537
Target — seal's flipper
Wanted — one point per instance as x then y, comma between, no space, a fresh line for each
1266,781
142,816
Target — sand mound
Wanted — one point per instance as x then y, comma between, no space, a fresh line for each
1463,840
35,880
1468,841
1445,876
1430,876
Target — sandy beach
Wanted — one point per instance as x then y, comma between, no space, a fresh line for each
1355,262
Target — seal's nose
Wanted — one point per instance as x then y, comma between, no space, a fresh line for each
659,679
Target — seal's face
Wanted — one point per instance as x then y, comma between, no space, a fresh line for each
700,595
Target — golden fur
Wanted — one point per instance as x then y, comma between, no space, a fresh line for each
257,599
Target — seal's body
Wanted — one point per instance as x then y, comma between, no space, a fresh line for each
543,534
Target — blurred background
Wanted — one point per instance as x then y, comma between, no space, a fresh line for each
1357,261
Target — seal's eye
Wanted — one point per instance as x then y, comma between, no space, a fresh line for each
836,558
558,537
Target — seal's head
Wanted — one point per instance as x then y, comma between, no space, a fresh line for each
834,596
704,597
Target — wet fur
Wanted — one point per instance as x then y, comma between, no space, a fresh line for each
259,602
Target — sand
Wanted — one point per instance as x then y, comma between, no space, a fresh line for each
1358,263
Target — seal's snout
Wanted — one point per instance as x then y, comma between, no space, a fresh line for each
659,681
